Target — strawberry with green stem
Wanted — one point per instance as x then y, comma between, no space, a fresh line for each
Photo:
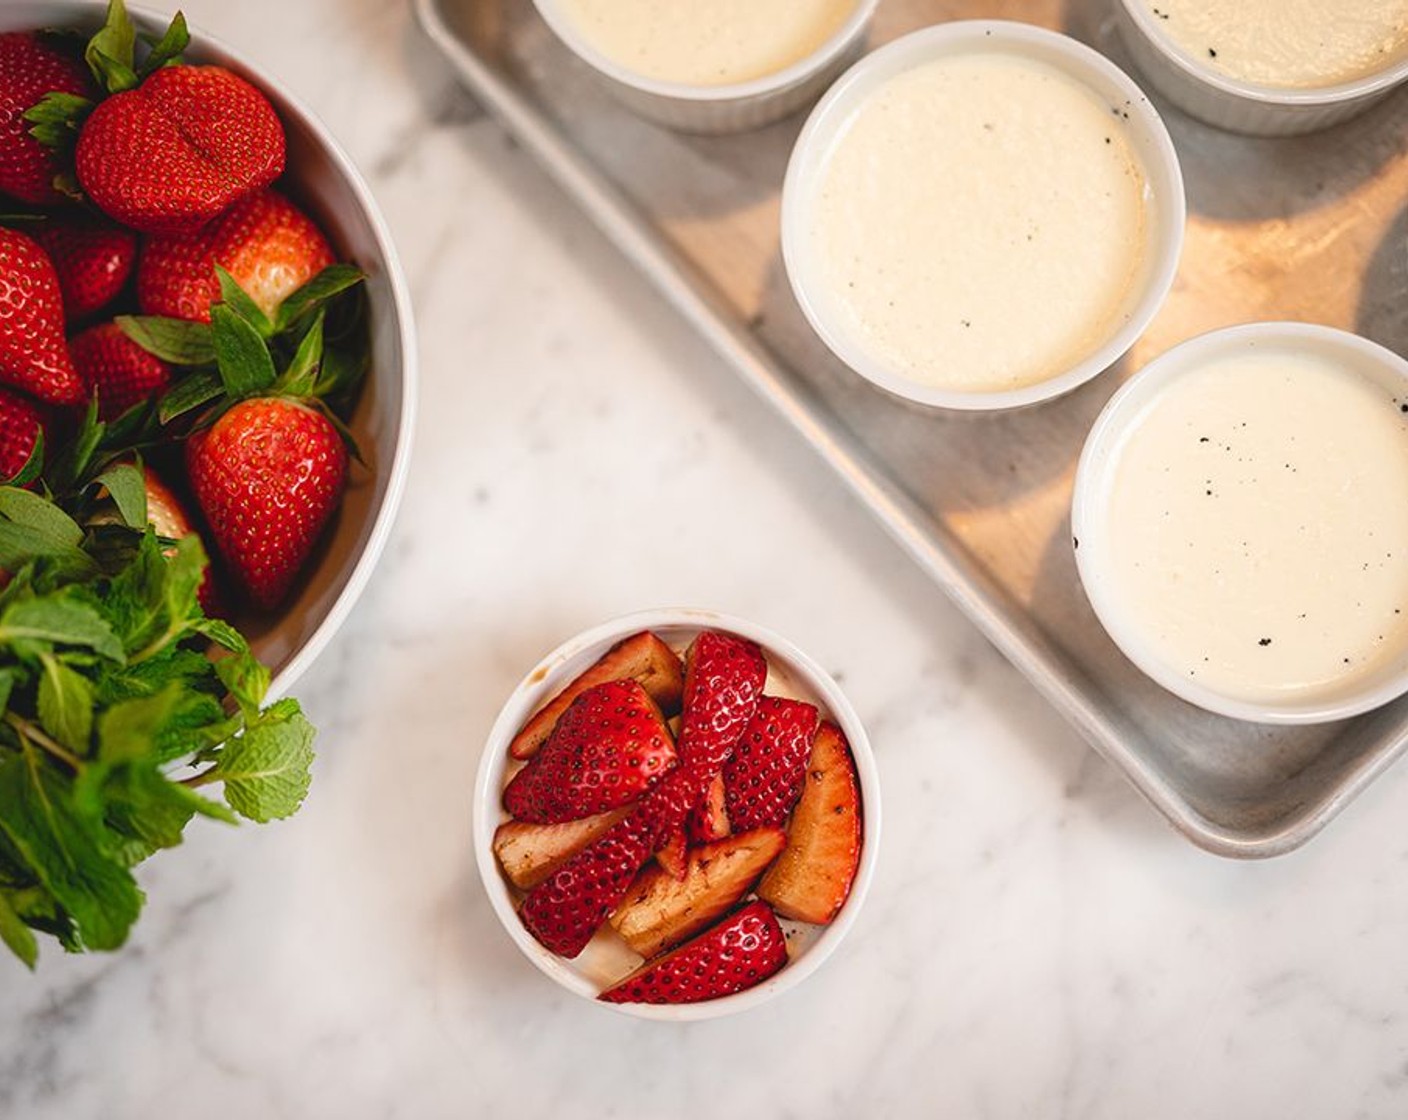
32,66
267,458
169,146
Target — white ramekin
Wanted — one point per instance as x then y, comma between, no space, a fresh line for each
324,180
1090,506
675,626
1237,105
1150,140
735,107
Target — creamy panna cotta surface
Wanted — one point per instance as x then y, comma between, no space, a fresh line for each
981,221
1257,526
707,42
1288,43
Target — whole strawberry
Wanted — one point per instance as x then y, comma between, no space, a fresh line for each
607,748
179,149
269,246
763,779
120,371
169,518
33,356
267,475
93,259
20,426
30,67
740,952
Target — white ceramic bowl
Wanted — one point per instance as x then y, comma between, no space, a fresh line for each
598,968
1090,506
1241,106
324,181
1149,140
734,107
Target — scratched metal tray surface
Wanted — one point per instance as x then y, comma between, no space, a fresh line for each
1311,228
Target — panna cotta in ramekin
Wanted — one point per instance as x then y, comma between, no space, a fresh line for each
982,215
1241,522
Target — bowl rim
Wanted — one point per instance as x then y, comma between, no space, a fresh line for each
1126,408
545,679
1164,182
792,74
1291,97
398,469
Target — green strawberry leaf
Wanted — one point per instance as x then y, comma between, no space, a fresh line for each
66,851
73,462
246,366
30,511
238,300
65,704
331,281
55,120
127,485
181,342
267,770
302,373
32,465
111,51
168,48
189,393
14,933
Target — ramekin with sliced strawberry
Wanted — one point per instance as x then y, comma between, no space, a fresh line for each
677,815
210,329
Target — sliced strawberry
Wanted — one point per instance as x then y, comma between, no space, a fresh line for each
763,778
643,657
267,476
741,951
20,426
530,853
179,149
813,876
660,910
93,259
724,676
672,856
267,245
32,65
564,911
709,819
120,371
605,751
33,356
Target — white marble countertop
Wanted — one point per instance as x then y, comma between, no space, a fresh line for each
1036,943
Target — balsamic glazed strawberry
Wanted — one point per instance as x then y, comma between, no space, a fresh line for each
93,259
738,953
763,779
116,368
606,750
269,246
31,66
175,152
33,356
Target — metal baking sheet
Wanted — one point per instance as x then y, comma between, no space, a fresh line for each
1310,228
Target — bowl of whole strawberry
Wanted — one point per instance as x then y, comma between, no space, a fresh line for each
193,276
677,814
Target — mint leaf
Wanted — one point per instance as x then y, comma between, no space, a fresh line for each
221,633
266,770
128,488
149,812
242,355
128,730
66,852
247,680
61,619
8,679
65,704
182,342
18,936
